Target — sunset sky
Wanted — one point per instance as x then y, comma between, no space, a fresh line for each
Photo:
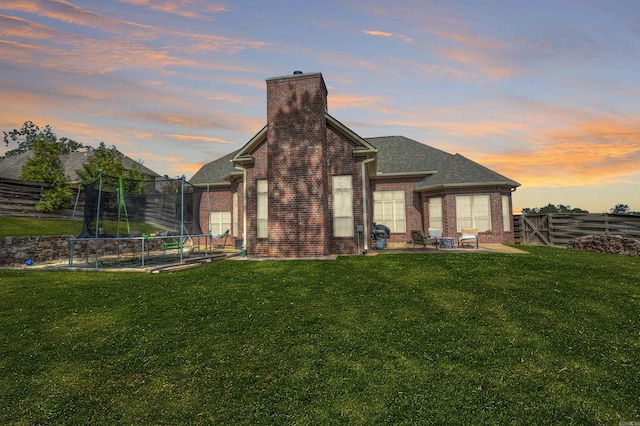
546,92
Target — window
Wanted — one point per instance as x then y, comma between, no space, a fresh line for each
219,222
435,213
342,206
388,210
262,209
234,214
473,211
506,214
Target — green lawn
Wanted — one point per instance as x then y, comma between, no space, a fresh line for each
29,227
550,337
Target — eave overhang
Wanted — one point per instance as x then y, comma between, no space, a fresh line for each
465,185
243,156
212,185
233,176
382,175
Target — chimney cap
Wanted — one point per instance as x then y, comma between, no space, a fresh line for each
295,74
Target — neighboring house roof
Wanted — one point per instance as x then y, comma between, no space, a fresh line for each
11,167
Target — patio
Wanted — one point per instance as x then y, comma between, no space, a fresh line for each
483,248
395,248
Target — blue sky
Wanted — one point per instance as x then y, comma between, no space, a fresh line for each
545,92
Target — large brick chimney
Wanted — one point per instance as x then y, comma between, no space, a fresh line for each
296,135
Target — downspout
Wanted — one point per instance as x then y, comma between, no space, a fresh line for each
364,178
244,206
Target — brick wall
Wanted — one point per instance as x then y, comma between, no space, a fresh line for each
216,200
497,233
256,171
341,162
412,201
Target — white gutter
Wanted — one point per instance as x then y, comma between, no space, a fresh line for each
365,178
244,206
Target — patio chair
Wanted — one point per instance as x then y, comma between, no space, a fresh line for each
215,236
468,235
418,237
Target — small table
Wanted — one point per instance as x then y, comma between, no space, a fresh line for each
446,242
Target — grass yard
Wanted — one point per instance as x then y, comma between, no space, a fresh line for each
552,337
28,227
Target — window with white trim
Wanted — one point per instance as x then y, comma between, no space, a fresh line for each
389,210
342,190
506,214
435,213
262,209
219,222
234,214
473,211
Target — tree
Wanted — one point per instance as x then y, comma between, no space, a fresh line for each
620,209
110,161
552,208
623,209
30,133
45,165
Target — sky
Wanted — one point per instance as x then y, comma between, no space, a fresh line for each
545,92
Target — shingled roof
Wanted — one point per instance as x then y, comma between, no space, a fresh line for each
459,171
401,155
397,156
215,172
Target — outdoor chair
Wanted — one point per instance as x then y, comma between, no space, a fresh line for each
469,235
418,237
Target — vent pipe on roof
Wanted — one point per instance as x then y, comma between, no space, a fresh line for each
296,72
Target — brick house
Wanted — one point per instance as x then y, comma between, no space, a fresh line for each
306,185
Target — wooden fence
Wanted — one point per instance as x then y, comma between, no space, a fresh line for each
557,229
19,198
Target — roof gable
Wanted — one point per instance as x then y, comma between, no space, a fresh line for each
363,147
250,146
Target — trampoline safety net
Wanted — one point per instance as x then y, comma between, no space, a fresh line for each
115,208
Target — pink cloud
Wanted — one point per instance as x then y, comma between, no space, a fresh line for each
67,12
196,138
377,33
184,8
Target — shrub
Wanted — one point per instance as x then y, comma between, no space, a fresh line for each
54,199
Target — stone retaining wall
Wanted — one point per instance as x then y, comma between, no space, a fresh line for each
15,251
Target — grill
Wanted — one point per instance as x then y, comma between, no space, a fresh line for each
379,235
